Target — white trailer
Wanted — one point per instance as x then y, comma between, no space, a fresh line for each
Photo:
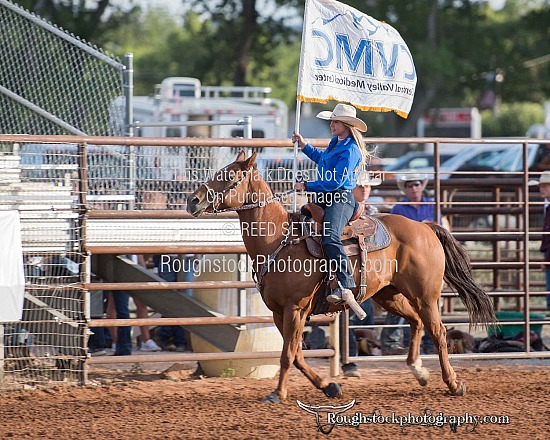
182,107
179,100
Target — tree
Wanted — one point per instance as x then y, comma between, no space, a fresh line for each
253,35
87,20
512,119
463,50
459,46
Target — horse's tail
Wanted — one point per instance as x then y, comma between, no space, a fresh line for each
458,275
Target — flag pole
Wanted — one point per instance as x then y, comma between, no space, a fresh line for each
295,164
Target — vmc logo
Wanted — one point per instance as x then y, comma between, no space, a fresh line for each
360,57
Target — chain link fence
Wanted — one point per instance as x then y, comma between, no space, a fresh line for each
48,344
52,82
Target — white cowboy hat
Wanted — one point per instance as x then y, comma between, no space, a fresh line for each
414,177
366,179
344,113
544,178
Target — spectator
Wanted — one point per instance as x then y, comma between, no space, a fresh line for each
544,189
118,305
147,343
416,207
122,337
142,311
173,337
361,193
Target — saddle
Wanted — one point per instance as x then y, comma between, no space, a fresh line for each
363,234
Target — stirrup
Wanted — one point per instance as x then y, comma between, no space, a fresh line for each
335,296
348,297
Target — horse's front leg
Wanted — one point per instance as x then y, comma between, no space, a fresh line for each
291,326
331,389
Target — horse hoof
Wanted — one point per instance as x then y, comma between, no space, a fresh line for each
461,390
271,398
424,377
423,381
333,390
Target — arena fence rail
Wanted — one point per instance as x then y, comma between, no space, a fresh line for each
81,199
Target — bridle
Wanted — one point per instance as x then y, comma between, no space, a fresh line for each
218,196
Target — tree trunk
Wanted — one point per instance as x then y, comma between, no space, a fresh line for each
248,19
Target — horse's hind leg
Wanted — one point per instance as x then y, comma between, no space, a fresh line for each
432,321
397,304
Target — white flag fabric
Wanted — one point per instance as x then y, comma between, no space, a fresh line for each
12,277
350,57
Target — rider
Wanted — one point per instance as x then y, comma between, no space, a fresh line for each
337,169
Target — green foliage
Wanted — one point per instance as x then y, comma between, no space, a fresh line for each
511,119
283,76
89,20
459,47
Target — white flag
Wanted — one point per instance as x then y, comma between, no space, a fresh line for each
12,275
350,57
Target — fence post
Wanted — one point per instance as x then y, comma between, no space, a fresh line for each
128,87
334,341
1,353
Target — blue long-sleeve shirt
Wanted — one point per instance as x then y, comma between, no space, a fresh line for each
424,212
336,166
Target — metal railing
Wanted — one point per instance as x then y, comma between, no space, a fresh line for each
56,183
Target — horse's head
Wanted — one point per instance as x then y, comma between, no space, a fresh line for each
226,189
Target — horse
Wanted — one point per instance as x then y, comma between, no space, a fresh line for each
427,255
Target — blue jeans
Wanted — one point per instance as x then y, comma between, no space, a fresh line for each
124,334
354,320
548,287
171,333
339,208
391,337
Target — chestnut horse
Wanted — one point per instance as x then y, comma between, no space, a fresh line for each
426,255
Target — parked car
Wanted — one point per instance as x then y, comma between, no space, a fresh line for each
472,157
414,160
473,161
538,158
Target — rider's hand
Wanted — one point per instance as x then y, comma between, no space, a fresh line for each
297,137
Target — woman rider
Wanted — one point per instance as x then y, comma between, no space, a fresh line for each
337,169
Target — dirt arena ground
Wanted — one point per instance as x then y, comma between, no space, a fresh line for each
122,403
